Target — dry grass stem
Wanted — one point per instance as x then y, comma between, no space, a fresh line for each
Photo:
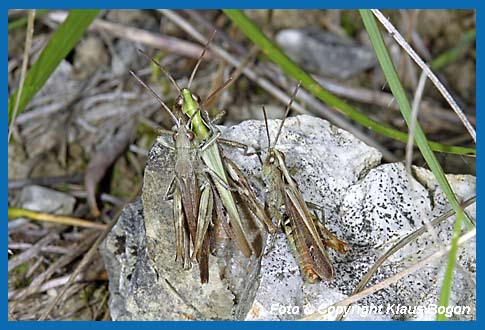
59,219
441,88
87,258
170,44
414,116
25,61
320,315
277,93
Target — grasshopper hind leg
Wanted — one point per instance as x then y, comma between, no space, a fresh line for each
186,256
329,239
301,252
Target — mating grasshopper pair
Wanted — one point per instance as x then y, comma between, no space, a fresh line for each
204,182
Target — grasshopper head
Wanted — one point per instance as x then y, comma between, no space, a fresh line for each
272,162
271,157
274,157
183,134
187,101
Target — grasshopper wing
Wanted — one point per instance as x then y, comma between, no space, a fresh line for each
204,218
181,233
247,195
311,255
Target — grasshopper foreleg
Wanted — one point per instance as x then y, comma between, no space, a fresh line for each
212,139
170,190
216,132
167,145
247,150
163,131
217,117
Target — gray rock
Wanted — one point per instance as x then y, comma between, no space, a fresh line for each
386,206
369,205
146,282
121,250
372,215
41,199
325,53
328,161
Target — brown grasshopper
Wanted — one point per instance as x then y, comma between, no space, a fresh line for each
191,190
307,235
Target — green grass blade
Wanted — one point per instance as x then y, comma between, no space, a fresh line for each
60,44
448,279
454,54
420,139
398,91
272,51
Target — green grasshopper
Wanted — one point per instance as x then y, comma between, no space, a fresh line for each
193,200
308,237
228,175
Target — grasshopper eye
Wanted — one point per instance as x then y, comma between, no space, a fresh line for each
271,160
190,135
179,102
174,136
196,97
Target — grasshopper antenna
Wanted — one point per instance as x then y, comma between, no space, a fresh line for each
200,58
217,91
157,97
287,111
266,126
234,75
161,69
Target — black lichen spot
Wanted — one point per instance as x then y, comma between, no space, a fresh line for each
120,244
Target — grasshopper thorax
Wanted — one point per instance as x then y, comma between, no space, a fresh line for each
187,101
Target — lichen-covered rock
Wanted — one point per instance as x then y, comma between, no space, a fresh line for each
388,205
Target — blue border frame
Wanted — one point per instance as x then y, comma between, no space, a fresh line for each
424,4
253,4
